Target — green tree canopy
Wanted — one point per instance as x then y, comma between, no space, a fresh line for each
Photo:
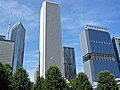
5,77
106,81
72,84
40,84
54,79
21,80
82,82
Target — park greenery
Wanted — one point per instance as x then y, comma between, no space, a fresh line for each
53,80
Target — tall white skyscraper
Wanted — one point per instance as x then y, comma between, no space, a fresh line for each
50,38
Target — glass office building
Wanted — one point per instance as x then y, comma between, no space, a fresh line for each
97,51
69,62
18,36
6,51
116,45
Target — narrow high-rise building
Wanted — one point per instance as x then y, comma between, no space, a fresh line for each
18,36
6,50
116,45
97,51
50,38
69,62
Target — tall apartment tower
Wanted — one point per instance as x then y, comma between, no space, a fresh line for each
6,50
69,62
50,38
116,45
97,51
18,36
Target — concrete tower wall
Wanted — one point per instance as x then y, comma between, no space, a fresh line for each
50,37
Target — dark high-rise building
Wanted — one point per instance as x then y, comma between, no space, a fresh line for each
18,36
116,45
69,62
97,51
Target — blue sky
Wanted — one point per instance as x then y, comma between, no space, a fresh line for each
75,14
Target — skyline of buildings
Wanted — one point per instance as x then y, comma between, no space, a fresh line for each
12,51
107,57
97,51
69,62
50,38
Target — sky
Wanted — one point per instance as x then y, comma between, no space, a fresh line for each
74,14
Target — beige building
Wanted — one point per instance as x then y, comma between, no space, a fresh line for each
37,73
6,51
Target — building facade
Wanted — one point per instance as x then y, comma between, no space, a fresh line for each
69,62
18,36
97,51
6,51
50,37
116,45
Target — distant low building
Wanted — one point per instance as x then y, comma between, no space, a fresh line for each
37,73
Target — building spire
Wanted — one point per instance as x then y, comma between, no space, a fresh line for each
8,34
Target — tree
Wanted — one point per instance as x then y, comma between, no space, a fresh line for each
82,82
106,81
21,80
72,84
54,79
5,77
40,84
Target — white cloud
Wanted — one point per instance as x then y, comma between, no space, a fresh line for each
17,9
29,16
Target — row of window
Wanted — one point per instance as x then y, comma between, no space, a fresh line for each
98,56
100,42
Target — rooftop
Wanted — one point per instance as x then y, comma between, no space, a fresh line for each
15,25
96,28
50,2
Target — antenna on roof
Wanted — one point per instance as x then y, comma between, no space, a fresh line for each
20,18
8,34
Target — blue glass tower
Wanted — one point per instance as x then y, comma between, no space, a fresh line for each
97,51
18,36
69,62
